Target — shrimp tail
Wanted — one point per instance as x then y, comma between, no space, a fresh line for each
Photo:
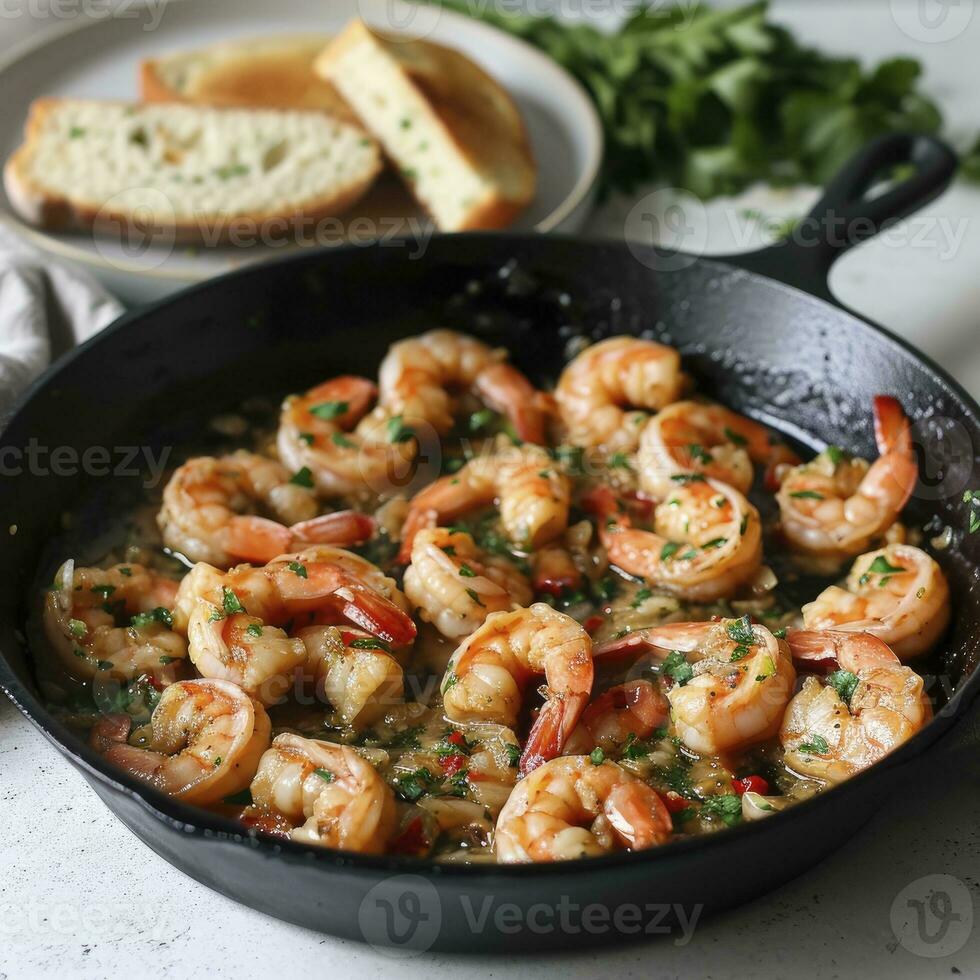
555,722
419,519
506,390
342,528
256,539
374,613
893,434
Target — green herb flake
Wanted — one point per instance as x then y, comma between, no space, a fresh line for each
398,431
369,643
735,438
641,596
472,593
325,774
77,628
330,410
160,615
339,439
815,745
669,550
807,495
466,571
768,669
482,420
676,667
597,756
253,629
726,807
619,461
230,602
844,683
303,478
699,454
298,569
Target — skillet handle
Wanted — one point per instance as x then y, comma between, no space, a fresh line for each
845,216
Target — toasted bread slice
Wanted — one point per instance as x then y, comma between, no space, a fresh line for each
191,173
274,72
454,134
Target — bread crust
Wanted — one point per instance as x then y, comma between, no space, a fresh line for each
51,211
497,210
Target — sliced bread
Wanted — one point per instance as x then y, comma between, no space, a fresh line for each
452,132
188,172
276,72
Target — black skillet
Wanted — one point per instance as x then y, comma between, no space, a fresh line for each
759,341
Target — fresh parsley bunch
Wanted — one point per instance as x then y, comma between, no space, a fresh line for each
712,100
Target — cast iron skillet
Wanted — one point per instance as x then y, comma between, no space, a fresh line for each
763,347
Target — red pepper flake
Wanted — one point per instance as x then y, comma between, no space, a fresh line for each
412,840
593,623
750,784
457,738
674,801
452,764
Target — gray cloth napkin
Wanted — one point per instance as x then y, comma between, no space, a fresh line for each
45,309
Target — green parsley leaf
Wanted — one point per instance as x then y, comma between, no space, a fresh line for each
816,745
727,807
298,569
676,667
303,478
253,629
807,495
619,461
330,410
597,756
844,683
740,630
669,550
641,596
735,438
700,454
325,774
466,571
230,601
339,439
158,615
398,431
482,420
368,643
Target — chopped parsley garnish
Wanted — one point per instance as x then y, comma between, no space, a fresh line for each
619,461
844,683
325,774
369,643
740,630
329,410
677,668
298,569
688,478
727,807
398,431
448,681
699,453
230,601
835,454
160,615
597,756
605,589
474,595
466,571
807,495
634,749
303,478
571,457
410,786
103,590
715,543
253,629
339,439
76,627
735,438
972,497
513,754
880,566
817,745
307,437
641,596
669,550
482,420
768,669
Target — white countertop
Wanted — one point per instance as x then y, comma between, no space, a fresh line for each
81,897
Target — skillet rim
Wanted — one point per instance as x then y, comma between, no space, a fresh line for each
185,818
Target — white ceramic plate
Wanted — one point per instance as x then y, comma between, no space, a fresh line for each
98,57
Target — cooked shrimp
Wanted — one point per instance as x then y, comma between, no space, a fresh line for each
571,808
870,706
833,507
82,615
206,742
354,671
489,671
694,438
897,593
455,585
636,708
210,506
321,584
322,580
706,541
260,658
531,492
600,389
554,571
733,687
418,376
336,795
327,432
